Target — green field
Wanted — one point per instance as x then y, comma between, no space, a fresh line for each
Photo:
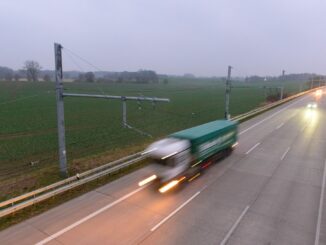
94,132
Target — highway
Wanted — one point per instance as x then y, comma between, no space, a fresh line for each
270,190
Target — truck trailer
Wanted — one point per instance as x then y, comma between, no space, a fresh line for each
183,155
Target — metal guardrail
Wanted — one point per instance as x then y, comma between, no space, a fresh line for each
46,192
64,188
259,110
30,198
65,181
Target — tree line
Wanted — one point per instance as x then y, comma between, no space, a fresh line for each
32,71
141,76
287,77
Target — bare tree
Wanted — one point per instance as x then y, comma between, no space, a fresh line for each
6,73
32,69
16,77
46,78
89,77
9,76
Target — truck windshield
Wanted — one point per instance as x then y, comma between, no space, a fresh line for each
166,162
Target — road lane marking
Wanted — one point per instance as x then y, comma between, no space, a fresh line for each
320,210
279,126
284,154
269,117
205,186
174,212
293,115
92,215
252,148
234,226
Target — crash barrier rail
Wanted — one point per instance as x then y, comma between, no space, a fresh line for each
17,203
30,198
254,112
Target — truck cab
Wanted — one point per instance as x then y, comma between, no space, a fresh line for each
170,157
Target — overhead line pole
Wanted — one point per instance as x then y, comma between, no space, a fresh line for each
227,94
60,107
281,92
124,112
60,110
312,83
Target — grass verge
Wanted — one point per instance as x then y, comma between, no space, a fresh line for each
43,206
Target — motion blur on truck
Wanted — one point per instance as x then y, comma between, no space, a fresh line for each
184,155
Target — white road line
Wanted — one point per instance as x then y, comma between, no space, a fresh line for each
203,188
284,154
101,210
279,126
252,148
293,115
320,211
271,116
174,212
234,226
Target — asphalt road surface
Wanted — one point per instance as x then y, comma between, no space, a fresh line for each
269,191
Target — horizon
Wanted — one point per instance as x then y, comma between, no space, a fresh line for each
201,38
172,75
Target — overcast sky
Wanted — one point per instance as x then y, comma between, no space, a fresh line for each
169,36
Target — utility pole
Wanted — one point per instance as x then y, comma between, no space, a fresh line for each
60,110
124,111
60,107
227,94
281,92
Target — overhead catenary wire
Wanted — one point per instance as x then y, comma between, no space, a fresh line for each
74,61
82,59
103,133
60,94
123,98
72,53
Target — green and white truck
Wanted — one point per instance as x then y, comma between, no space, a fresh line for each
183,155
